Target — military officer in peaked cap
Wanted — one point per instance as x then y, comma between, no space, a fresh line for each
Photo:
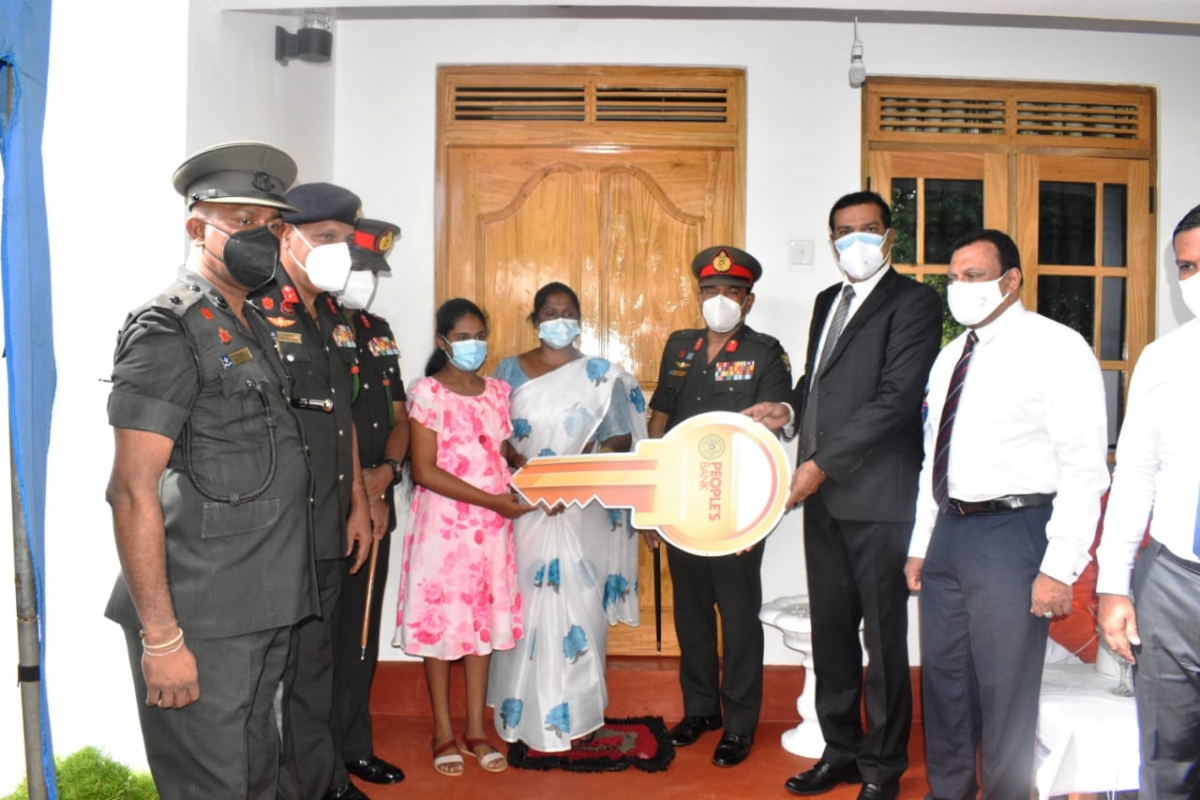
212,530
316,345
724,366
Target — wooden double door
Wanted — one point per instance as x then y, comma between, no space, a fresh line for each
618,223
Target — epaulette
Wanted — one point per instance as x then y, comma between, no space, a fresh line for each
691,334
178,298
762,338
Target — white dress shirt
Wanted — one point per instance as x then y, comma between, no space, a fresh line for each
1031,420
1158,459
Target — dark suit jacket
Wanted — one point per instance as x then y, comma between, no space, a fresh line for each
869,421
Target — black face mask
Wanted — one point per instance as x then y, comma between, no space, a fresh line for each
251,256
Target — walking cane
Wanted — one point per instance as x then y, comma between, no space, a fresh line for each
366,626
658,599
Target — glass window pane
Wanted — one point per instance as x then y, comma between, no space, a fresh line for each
952,208
950,327
1066,223
1114,394
1114,224
1112,320
1070,300
904,220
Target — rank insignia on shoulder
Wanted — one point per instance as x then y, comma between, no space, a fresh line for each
224,334
206,313
241,356
383,346
281,322
366,322
731,346
268,303
289,337
343,336
289,294
734,370
332,304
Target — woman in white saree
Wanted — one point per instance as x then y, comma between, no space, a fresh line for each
577,567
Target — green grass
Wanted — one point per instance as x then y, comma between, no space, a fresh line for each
89,774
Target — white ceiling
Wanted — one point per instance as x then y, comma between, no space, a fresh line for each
1165,16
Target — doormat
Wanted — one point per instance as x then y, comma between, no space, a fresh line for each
640,741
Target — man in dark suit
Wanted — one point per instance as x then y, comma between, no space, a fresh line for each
871,343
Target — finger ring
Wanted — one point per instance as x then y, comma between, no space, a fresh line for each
1048,614
159,704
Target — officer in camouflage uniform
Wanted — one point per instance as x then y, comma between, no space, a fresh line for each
725,366
210,492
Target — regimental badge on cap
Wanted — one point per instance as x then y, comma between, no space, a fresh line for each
372,241
725,265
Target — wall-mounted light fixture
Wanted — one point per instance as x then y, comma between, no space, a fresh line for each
312,41
858,69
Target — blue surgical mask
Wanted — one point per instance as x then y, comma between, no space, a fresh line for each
558,333
468,355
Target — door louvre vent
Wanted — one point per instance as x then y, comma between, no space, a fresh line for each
592,103
520,103
942,115
1009,114
1059,118
649,104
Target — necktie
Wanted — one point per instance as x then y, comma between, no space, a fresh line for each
1196,534
941,457
808,422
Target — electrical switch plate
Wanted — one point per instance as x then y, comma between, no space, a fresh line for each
800,251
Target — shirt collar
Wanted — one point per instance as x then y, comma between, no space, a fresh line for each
1006,321
864,288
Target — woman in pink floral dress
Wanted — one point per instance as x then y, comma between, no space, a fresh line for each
458,579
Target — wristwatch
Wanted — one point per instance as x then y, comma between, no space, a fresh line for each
397,469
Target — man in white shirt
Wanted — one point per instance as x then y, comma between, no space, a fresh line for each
1158,469
1009,495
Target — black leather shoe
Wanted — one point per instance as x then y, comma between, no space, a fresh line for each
690,728
822,777
879,791
732,749
375,770
347,792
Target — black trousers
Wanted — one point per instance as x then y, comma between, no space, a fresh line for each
856,577
352,675
982,652
309,758
1166,684
733,584
226,744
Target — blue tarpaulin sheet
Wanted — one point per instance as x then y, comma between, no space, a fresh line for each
25,261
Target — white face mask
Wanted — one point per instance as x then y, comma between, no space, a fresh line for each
328,266
971,302
558,333
860,254
721,314
1190,289
360,288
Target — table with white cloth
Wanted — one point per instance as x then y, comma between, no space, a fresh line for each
1087,737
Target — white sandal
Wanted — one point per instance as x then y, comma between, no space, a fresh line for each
494,761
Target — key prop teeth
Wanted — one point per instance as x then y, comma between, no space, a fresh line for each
715,484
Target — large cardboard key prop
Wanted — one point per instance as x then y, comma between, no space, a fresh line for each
714,485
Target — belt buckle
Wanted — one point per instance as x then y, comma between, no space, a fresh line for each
956,506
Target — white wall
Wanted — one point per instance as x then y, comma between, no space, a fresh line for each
803,143
121,118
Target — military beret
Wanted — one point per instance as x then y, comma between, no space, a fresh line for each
371,242
318,202
726,266
250,173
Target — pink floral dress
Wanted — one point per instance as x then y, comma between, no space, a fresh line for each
458,577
